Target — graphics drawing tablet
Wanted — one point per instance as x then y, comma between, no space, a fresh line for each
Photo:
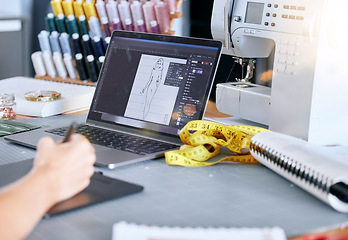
100,189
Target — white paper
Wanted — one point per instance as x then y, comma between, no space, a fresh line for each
126,231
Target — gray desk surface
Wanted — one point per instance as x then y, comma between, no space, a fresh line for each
225,195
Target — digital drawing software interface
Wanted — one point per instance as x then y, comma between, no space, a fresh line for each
153,96
159,83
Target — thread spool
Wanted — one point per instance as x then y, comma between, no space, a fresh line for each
116,24
77,48
64,43
58,61
94,26
162,15
55,42
89,9
97,47
137,11
48,62
68,7
78,8
111,9
100,61
128,24
69,65
57,7
124,10
155,2
141,27
50,22
44,41
86,45
154,28
172,5
91,68
100,5
104,21
83,25
149,14
38,63
81,67
60,23
71,24
106,43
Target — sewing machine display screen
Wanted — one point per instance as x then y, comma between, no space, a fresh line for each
254,13
160,83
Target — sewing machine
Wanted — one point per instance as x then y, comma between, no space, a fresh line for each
298,48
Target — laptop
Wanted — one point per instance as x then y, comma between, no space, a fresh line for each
150,86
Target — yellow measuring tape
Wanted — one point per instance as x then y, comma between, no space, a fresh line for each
203,140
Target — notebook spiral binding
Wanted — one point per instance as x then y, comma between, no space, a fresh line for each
297,170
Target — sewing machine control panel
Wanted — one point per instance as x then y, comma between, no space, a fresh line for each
272,13
295,17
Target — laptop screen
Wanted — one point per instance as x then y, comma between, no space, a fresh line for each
154,82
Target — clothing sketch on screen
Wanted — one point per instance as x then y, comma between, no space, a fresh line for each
152,85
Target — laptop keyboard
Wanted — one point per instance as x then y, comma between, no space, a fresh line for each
117,140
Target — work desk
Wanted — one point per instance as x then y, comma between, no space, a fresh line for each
225,195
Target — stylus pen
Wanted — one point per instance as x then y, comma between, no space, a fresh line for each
70,131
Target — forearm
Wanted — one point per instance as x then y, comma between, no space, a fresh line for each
59,172
23,204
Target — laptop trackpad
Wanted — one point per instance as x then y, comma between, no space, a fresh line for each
110,157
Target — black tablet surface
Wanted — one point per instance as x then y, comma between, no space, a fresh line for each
101,188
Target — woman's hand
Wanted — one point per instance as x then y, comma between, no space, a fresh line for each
67,166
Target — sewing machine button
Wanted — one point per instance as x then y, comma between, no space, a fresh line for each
275,5
266,23
282,59
290,59
291,17
291,50
285,16
293,8
274,14
286,7
299,18
280,68
272,24
237,18
269,5
282,49
268,14
301,8
292,42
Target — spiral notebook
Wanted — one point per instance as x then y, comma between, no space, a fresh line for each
317,169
